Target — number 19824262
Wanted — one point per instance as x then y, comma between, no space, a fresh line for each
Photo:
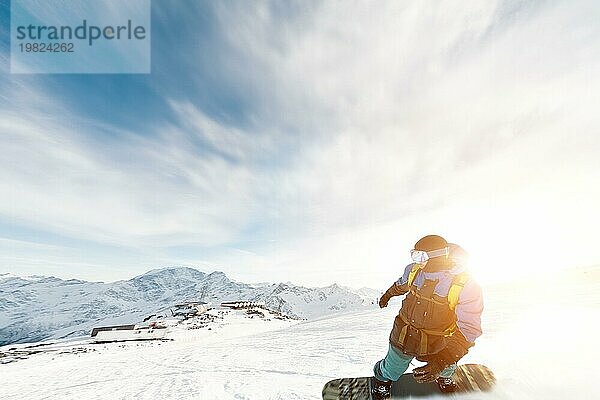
46,47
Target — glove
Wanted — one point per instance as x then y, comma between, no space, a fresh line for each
394,290
456,348
435,365
383,302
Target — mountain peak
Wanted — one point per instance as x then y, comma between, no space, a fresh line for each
171,273
7,275
216,276
174,271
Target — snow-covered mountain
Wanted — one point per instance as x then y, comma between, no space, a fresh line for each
254,359
38,307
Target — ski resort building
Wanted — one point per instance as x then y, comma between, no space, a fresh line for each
121,333
190,309
243,304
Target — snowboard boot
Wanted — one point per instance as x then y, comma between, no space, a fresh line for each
446,385
381,390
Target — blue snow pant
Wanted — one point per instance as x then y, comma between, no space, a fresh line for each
396,363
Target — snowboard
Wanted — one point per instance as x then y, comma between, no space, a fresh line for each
468,378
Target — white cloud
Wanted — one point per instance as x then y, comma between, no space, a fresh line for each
57,179
405,115
426,110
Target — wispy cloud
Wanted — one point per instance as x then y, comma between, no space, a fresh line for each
353,128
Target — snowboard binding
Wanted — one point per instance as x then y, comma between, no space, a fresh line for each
446,385
380,390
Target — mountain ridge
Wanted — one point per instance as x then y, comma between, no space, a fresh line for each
39,307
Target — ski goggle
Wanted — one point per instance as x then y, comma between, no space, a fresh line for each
421,256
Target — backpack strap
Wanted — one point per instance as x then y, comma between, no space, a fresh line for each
458,283
413,273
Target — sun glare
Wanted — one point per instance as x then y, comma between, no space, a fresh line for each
508,243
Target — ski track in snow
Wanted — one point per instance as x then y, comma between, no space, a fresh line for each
527,342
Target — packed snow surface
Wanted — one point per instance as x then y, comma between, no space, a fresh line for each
539,338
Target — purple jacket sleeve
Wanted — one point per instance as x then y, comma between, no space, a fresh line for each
468,311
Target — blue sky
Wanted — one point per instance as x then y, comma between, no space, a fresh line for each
312,142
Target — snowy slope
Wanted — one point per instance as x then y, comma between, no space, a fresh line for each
531,358
38,307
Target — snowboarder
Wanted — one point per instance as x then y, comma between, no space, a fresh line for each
439,320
